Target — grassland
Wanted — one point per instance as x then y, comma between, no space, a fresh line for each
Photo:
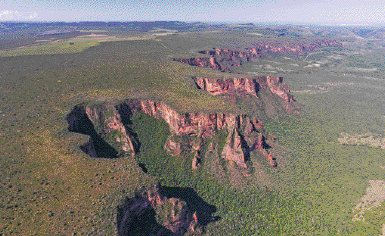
50,187
55,47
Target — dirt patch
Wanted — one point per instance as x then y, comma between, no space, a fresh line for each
369,139
375,195
322,88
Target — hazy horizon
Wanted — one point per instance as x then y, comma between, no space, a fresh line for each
277,23
329,12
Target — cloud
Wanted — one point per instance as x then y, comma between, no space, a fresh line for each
16,15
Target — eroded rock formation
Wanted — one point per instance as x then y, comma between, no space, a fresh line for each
251,86
277,87
245,133
220,86
224,58
205,62
258,49
171,214
242,86
109,125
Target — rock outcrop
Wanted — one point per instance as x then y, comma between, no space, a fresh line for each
277,87
171,214
108,123
224,58
204,125
245,133
251,86
205,62
258,49
220,86
242,86
233,149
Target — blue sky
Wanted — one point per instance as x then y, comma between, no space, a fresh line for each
301,11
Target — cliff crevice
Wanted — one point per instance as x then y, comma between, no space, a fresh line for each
245,133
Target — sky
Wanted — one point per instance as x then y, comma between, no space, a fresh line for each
290,11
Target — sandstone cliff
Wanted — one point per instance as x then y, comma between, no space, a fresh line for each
245,133
224,58
205,62
260,49
267,86
171,214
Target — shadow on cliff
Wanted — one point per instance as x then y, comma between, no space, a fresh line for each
194,203
142,225
80,123
125,112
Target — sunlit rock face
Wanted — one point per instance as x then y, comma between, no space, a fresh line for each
244,133
251,86
259,49
204,62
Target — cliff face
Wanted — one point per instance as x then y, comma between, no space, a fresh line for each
108,123
240,87
224,58
262,48
205,62
219,86
245,133
171,214
277,87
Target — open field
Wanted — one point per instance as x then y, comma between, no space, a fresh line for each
49,186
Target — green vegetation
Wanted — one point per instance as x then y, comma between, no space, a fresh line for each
51,48
242,212
49,184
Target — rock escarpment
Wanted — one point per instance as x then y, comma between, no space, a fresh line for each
170,216
220,86
223,59
259,49
205,62
239,87
112,122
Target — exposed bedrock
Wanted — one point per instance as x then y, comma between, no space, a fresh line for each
205,62
112,124
261,48
239,87
157,214
220,86
223,59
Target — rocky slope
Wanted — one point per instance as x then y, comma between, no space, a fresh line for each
206,62
266,90
223,59
111,123
159,214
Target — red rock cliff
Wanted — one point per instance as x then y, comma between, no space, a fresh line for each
240,87
172,213
205,125
219,86
205,62
277,87
107,121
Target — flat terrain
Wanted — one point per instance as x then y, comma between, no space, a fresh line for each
323,187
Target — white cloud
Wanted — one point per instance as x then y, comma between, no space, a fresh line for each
16,15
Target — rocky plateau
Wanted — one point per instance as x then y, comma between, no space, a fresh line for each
223,59
111,133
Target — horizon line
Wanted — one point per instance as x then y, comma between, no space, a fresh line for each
207,22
